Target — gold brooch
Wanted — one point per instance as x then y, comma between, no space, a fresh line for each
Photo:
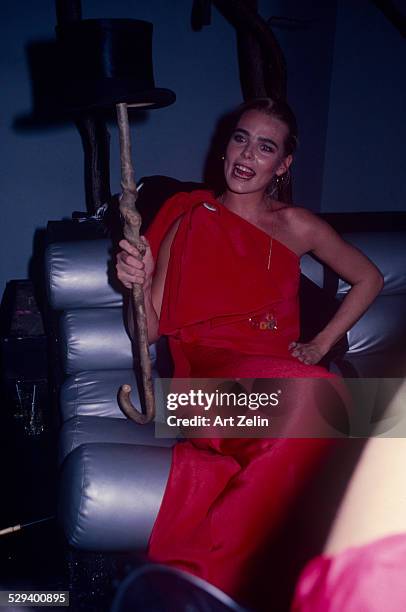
264,322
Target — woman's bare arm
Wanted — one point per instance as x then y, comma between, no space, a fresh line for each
351,265
148,274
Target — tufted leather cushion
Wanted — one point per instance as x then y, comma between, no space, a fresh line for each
96,492
92,429
80,275
94,393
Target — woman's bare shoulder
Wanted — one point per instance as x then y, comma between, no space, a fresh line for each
302,218
303,227
292,215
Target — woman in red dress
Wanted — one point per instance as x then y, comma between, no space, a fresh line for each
220,278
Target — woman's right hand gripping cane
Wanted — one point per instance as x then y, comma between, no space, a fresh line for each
147,273
131,269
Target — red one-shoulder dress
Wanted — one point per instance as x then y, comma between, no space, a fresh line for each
226,497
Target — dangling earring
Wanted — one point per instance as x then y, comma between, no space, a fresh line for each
272,188
283,179
223,157
277,182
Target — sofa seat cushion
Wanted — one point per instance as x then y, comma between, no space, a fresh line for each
110,495
94,393
85,429
94,339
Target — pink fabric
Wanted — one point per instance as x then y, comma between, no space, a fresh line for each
369,578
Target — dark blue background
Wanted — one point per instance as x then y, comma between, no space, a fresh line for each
346,84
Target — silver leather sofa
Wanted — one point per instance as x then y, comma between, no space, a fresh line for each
112,472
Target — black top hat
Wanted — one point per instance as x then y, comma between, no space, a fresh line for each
107,61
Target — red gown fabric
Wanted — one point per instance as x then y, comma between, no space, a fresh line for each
226,497
367,578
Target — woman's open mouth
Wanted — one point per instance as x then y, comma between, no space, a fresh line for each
243,172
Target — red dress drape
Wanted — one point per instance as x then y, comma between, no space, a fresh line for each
225,497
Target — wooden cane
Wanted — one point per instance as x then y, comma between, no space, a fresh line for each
132,224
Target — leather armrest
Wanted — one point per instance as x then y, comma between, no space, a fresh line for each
110,495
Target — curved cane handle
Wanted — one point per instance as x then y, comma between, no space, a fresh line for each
129,410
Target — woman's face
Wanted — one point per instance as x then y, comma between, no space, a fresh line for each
255,153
